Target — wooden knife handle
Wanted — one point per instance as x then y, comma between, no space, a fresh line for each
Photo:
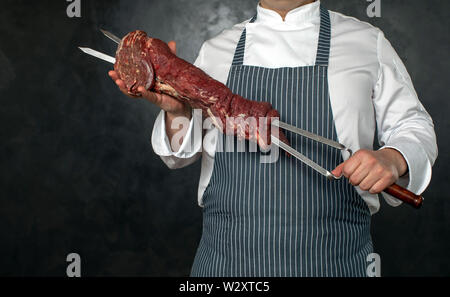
405,195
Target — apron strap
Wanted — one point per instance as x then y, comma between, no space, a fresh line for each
323,49
238,59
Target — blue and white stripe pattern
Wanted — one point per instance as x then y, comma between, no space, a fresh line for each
284,219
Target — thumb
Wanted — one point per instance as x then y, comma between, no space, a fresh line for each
173,46
338,170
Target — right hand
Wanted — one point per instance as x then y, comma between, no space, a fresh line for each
171,105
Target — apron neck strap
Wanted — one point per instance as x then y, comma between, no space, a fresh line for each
238,59
323,48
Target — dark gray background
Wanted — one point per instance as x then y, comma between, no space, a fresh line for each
78,173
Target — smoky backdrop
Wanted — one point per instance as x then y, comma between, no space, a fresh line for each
77,170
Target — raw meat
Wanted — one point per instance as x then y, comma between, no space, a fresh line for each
148,62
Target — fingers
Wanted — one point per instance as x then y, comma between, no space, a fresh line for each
369,181
384,178
150,96
350,165
173,46
338,170
121,84
368,170
379,186
113,75
359,174
123,88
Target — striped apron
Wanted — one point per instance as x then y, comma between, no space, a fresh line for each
283,218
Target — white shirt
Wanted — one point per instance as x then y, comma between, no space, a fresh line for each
369,87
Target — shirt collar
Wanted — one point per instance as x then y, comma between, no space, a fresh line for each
296,16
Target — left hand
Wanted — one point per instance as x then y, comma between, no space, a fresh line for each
373,171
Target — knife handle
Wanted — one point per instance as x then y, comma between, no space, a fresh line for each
405,195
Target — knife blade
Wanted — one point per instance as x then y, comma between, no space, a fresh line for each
111,36
98,54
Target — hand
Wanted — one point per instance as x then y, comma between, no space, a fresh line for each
373,171
171,105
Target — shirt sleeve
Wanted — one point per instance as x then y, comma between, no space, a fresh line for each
191,147
403,123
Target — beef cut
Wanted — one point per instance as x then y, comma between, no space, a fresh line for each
148,62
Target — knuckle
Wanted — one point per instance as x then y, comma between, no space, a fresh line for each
389,175
364,187
353,181
379,170
360,153
371,160
346,171
375,190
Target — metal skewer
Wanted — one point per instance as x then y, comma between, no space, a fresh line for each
111,36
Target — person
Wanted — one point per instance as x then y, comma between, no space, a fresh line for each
326,73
